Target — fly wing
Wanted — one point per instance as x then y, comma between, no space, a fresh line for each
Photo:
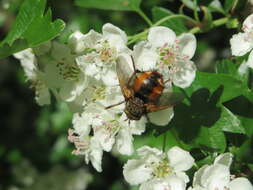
124,73
167,100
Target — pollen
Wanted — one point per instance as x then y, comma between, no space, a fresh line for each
161,169
107,53
69,72
170,55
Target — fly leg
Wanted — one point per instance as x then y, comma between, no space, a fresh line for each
113,105
134,73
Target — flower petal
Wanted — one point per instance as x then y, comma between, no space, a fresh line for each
81,124
240,183
115,36
197,176
147,151
187,44
43,96
175,183
95,155
135,172
170,183
104,137
124,143
162,117
240,44
144,56
179,159
215,176
225,159
75,42
28,62
250,60
139,126
248,24
160,35
185,74
90,39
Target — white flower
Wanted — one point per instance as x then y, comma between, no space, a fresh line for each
242,42
155,170
98,52
71,80
169,54
51,66
109,128
84,143
98,129
34,75
217,176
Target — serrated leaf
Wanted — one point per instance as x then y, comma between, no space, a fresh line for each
31,27
232,86
117,5
175,24
229,122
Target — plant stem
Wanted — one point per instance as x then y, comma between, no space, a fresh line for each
175,16
194,30
215,23
144,16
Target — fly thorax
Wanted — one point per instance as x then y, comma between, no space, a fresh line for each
134,108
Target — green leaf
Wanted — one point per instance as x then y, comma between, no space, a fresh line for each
190,4
175,24
229,122
117,5
229,4
215,6
211,138
30,28
247,124
232,86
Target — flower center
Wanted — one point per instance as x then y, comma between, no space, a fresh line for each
111,126
107,53
81,144
98,94
170,55
69,72
161,169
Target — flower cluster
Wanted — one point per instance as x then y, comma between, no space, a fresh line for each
156,170
82,73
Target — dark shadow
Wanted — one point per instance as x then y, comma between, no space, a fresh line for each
240,106
202,112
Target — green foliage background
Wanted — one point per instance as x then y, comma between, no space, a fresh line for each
216,116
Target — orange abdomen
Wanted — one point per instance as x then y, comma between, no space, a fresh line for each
148,86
